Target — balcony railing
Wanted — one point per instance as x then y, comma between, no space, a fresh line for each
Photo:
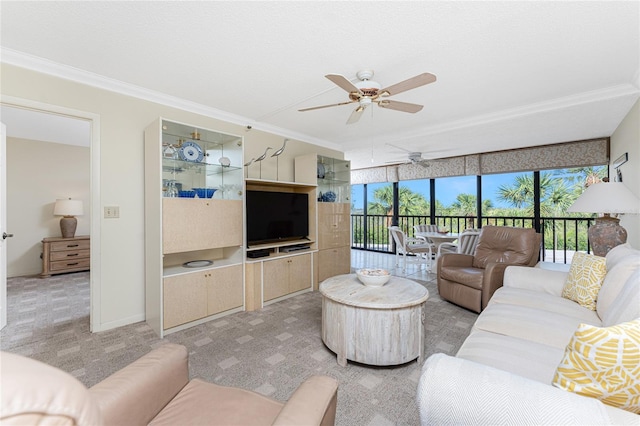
562,236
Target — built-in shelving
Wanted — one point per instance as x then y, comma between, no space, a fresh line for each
180,227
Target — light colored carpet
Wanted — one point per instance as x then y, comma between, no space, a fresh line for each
270,351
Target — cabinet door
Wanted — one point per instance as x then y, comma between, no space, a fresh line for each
299,272
275,281
197,224
334,261
224,289
333,225
185,298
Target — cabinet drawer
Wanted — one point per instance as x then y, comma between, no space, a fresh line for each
70,245
70,265
67,255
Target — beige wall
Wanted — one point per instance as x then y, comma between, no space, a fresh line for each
626,138
122,123
38,173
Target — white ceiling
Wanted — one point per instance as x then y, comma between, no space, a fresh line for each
510,74
45,127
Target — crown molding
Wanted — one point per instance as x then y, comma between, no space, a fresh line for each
45,66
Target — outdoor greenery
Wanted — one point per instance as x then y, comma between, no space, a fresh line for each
558,190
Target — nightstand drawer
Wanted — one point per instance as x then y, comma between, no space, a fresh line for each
70,265
67,255
70,245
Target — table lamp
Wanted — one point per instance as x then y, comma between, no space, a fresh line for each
68,209
606,198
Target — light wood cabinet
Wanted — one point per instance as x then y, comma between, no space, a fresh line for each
181,229
333,261
62,255
334,224
224,289
184,299
285,267
334,219
286,275
200,224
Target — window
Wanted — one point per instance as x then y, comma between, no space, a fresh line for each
456,206
413,202
508,199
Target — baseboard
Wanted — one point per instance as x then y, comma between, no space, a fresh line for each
119,323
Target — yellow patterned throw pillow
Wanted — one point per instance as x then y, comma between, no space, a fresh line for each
603,363
585,278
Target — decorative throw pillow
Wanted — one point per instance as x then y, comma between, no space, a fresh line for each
603,363
584,280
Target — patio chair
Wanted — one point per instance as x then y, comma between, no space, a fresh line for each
412,250
426,228
466,244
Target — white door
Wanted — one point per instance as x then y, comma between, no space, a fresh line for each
3,226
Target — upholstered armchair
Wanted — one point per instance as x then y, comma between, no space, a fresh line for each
469,280
153,390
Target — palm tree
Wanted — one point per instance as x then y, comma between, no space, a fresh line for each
555,197
466,205
383,201
411,203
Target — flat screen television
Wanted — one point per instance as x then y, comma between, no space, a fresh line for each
276,216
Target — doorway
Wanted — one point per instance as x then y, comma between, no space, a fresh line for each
74,127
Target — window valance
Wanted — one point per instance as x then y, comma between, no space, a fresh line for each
592,152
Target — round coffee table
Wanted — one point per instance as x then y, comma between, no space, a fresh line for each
373,325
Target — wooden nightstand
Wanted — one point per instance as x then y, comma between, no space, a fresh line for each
61,255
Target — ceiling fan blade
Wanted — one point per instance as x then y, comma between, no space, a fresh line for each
325,106
412,83
355,115
343,83
400,106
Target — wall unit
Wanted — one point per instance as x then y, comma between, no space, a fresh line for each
333,177
286,267
193,246
334,240
62,255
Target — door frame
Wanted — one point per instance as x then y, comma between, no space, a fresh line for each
3,225
94,185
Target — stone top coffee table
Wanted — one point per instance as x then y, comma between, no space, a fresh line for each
373,325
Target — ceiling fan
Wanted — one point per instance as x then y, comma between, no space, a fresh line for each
415,157
366,91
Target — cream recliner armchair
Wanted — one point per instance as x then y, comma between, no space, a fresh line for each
153,390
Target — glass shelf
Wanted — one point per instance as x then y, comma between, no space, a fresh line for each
216,149
171,165
334,178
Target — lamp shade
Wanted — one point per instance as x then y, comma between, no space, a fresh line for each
68,207
606,197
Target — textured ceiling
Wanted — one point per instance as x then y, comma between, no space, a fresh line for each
510,74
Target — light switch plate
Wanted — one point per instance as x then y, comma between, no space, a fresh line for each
112,212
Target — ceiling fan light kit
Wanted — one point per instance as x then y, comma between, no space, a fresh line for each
366,91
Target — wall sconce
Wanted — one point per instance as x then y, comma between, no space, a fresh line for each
606,198
68,209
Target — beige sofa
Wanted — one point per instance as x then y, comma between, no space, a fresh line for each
503,372
154,390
